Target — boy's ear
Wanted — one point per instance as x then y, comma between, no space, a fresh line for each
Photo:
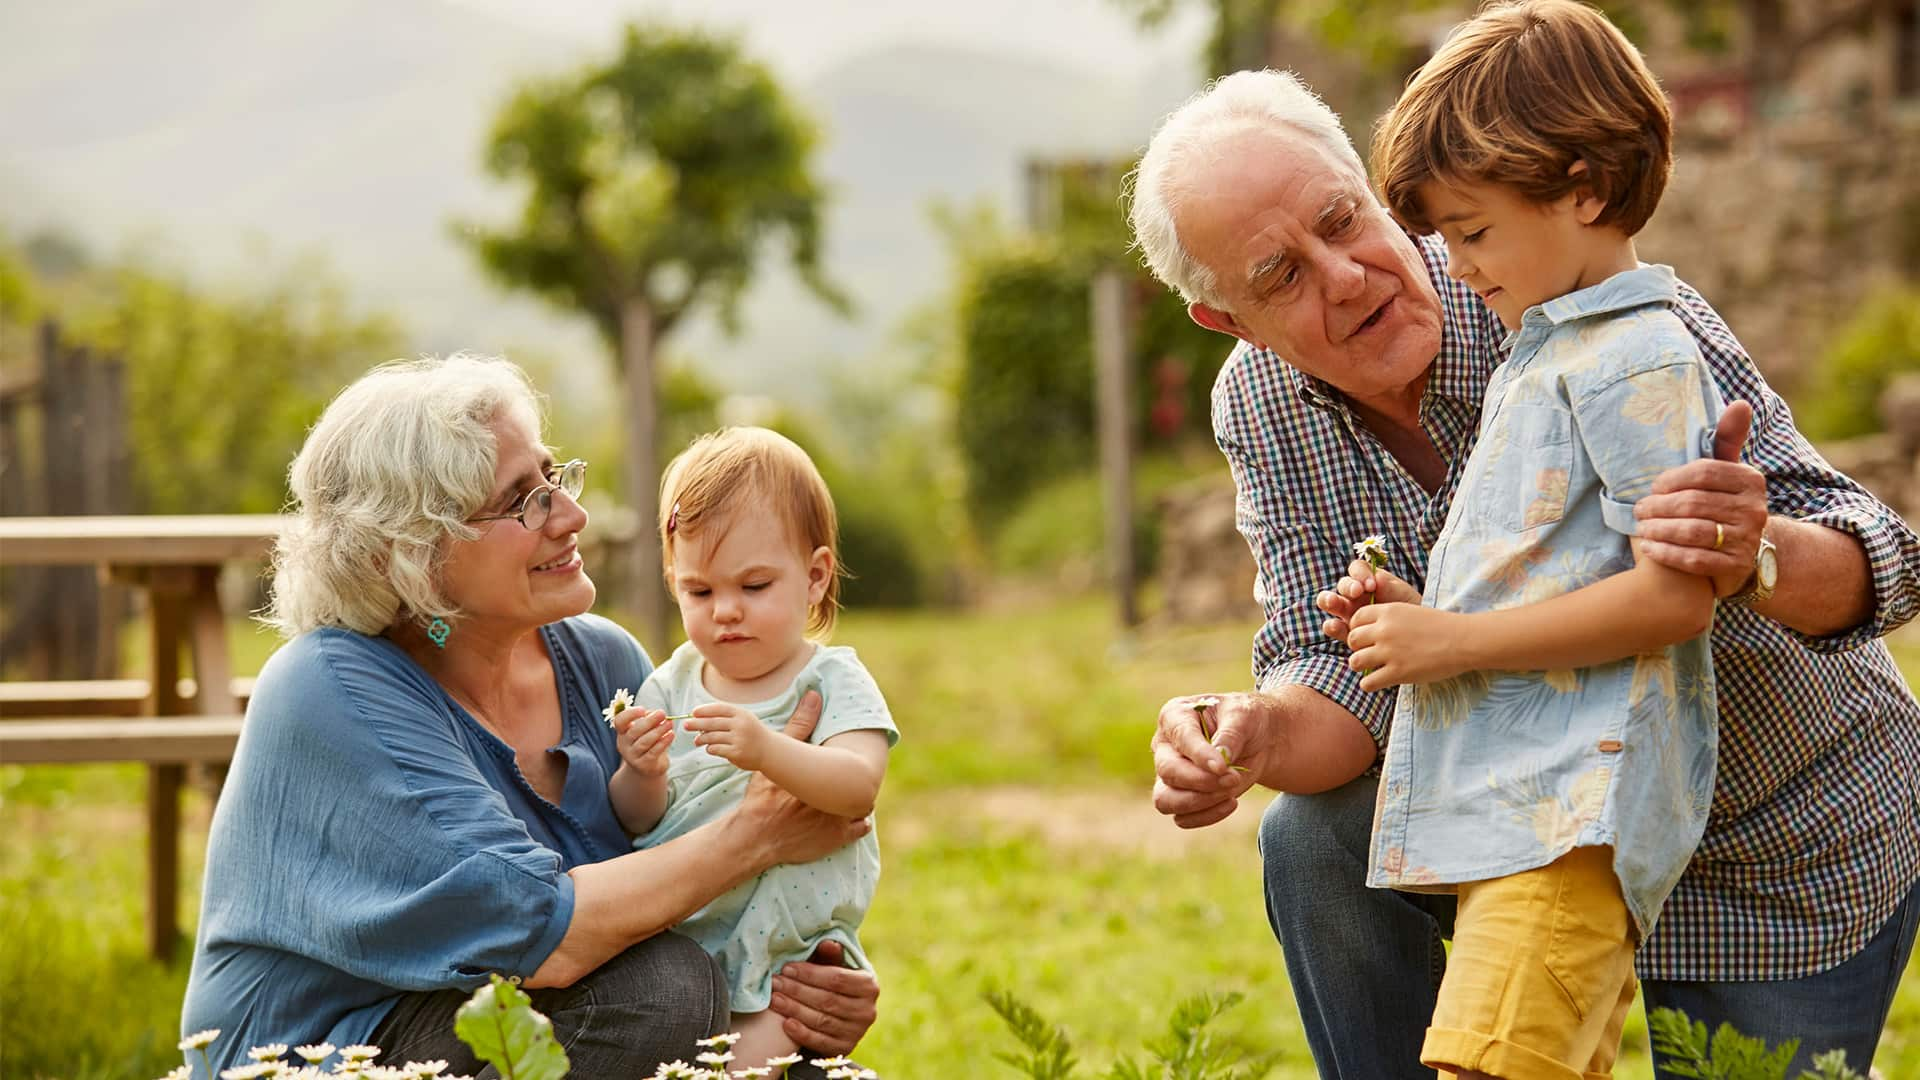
819,574
1588,204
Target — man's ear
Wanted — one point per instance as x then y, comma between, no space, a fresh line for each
1588,204
1220,322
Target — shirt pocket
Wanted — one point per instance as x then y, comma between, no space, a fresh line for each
1525,484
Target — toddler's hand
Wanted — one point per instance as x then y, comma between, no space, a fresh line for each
1352,593
1400,643
730,732
644,739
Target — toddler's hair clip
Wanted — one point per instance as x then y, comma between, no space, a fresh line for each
673,518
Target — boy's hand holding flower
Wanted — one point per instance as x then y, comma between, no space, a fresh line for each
1397,644
731,732
1364,585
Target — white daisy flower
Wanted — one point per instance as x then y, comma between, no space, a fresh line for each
183,1072
269,1052
1373,549
314,1053
426,1068
622,700
360,1052
725,1038
200,1040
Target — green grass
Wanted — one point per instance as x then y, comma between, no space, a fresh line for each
1021,853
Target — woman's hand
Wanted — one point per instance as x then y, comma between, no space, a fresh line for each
1404,644
788,830
1351,594
731,732
826,1007
644,739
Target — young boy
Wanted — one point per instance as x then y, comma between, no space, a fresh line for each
1553,746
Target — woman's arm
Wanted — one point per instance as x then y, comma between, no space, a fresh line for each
634,896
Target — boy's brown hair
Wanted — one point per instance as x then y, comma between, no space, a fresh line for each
1519,95
739,470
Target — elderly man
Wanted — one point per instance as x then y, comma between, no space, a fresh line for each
1347,409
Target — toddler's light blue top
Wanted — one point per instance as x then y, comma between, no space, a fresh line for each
1493,773
373,838
786,912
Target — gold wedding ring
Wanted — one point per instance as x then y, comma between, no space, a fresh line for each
1719,535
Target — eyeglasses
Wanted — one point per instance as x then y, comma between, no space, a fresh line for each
534,507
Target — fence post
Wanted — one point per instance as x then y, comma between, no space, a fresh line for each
1113,386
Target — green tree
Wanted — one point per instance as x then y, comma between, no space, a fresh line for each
653,182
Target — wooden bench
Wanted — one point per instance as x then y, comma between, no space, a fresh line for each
167,724
98,697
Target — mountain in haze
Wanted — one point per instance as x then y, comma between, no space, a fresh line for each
354,128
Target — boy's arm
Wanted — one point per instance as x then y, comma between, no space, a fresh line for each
638,800
840,776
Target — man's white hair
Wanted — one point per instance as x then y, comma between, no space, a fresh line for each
388,476
1196,134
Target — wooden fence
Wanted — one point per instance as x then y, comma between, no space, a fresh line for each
63,451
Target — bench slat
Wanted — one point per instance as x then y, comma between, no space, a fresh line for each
106,738
93,697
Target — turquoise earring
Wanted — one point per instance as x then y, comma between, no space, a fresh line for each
438,631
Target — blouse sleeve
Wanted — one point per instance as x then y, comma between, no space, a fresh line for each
357,829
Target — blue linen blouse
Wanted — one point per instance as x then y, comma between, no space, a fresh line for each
373,838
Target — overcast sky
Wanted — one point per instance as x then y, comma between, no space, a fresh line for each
801,37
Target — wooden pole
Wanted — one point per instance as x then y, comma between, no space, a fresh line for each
1113,383
641,424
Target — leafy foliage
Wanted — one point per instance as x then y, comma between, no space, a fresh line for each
1187,1051
1880,341
660,174
501,1026
1729,1055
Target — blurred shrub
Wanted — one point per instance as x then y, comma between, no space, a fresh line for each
1880,341
1025,399
221,389
1064,520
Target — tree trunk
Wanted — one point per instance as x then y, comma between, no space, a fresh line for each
641,423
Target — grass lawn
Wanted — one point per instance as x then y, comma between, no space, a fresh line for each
1021,853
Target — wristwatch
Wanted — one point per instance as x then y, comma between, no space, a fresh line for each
1766,575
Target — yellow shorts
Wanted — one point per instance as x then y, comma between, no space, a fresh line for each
1541,974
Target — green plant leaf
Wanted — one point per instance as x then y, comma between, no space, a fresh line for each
501,1026
1050,1052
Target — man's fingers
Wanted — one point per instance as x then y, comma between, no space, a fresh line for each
1708,474
1337,629
1182,773
1730,434
1209,815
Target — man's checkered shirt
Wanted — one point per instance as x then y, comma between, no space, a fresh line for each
1814,836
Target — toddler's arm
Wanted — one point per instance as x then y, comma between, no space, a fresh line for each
638,789
840,776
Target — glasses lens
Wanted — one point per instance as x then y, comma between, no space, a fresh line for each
573,478
539,505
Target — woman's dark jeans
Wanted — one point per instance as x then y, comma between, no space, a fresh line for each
645,1006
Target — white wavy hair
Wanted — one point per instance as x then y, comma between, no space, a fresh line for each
1196,134
388,476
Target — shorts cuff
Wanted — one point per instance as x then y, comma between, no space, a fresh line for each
1455,1049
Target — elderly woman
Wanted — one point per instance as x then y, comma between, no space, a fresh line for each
420,793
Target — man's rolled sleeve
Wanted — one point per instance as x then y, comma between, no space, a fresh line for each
1328,675
1891,555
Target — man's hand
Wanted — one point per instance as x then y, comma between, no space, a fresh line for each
644,739
731,732
1350,595
826,1007
1677,522
1201,768
1397,644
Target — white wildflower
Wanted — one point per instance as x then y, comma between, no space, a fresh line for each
725,1038
714,1058
269,1052
200,1040
314,1053
784,1060
183,1072
1373,549
622,700
359,1052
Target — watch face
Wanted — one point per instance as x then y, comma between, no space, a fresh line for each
1768,569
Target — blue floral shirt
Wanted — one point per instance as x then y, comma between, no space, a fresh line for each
1492,773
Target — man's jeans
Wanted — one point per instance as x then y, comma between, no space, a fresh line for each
1366,963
